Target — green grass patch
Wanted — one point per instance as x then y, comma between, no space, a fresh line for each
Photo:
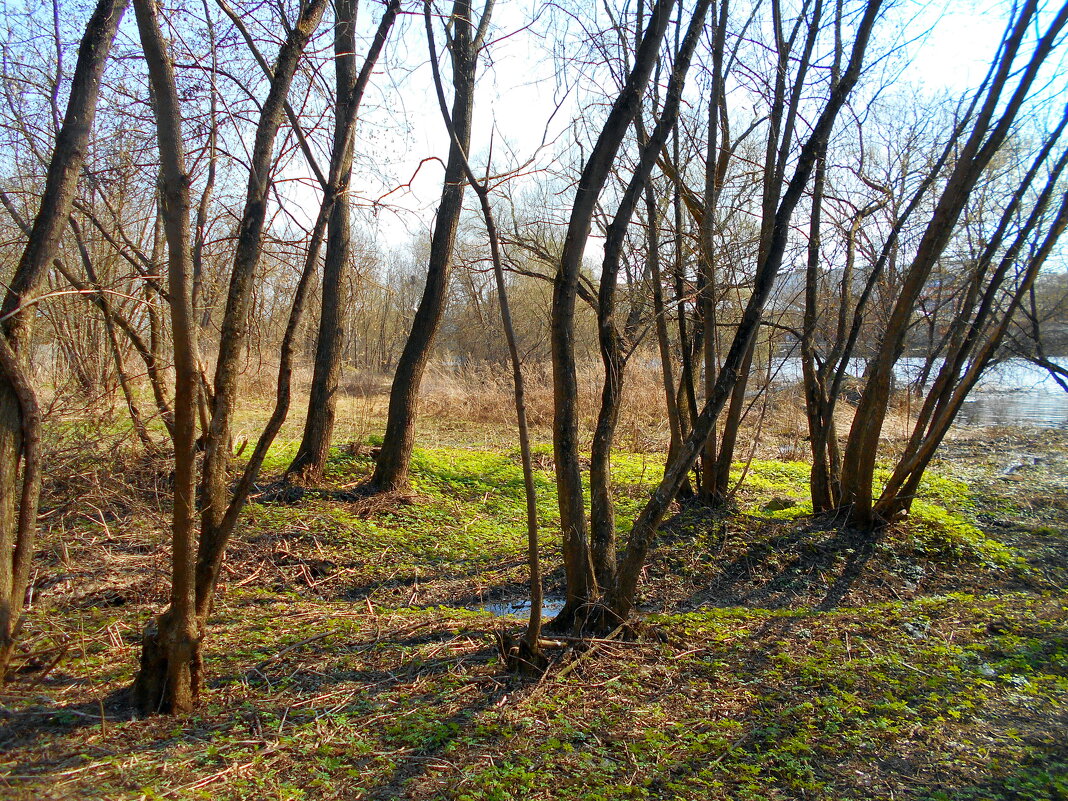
934,532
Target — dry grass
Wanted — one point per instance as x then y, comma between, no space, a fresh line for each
475,403
484,395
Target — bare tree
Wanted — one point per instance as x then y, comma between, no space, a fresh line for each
178,636
617,341
20,421
581,582
1014,72
621,597
783,114
314,448
528,653
465,42
171,662
1000,279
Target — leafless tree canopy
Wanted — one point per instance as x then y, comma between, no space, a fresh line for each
208,203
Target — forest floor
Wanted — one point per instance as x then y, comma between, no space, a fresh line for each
350,655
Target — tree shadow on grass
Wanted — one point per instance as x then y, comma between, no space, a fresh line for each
446,731
313,673
408,691
791,566
367,589
367,499
22,728
1042,773
314,681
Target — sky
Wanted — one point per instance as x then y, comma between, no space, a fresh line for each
516,96
963,38
518,92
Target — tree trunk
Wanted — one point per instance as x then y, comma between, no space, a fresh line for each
717,492
820,423
660,321
527,655
391,469
782,119
217,518
170,667
985,329
19,422
169,678
310,460
581,582
611,339
214,540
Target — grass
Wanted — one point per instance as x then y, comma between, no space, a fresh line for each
777,659
726,703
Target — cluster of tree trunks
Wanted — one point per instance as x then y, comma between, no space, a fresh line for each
20,418
637,152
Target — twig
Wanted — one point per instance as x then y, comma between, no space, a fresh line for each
596,644
51,666
293,647
597,640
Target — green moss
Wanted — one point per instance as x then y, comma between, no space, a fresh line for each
278,457
932,531
308,696
774,477
947,492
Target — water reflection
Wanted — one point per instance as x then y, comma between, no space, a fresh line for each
1012,393
1041,409
520,609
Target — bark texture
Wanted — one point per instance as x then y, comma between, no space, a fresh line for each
20,465
391,470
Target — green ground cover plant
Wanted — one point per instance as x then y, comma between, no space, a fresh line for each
778,656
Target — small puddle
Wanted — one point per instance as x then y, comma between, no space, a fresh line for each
549,608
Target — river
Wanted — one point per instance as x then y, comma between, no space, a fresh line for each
1014,392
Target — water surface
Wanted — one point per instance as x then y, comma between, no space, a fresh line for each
520,609
1013,393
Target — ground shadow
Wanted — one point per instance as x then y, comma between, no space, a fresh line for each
803,558
23,728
